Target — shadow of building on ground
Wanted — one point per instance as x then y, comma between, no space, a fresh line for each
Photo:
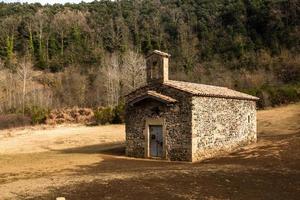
112,149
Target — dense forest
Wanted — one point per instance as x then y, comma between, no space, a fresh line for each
91,54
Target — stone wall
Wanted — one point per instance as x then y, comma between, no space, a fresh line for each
196,128
221,125
177,118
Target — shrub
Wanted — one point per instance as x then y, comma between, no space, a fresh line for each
283,95
13,120
56,66
38,115
108,115
288,69
103,115
118,113
275,95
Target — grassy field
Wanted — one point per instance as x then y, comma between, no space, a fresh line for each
80,162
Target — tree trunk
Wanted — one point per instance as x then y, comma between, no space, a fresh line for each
24,92
47,50
10,91
62,44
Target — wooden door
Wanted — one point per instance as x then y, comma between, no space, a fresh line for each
156,140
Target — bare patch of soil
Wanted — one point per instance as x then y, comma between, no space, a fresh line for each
89,163
47,138
279,121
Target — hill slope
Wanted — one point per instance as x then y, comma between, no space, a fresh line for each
246,45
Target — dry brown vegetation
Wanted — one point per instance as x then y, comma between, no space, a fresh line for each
70,115
80,162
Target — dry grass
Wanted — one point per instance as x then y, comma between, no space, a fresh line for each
47,138
279,121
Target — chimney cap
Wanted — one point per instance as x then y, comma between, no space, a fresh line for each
159,53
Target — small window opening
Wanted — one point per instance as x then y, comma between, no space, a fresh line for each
154,70
248,118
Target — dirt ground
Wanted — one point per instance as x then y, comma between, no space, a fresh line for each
78,162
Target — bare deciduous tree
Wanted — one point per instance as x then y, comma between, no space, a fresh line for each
24,71
111,81
133,71
2,84
70,88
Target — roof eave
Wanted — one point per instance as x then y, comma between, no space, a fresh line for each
152,95
226,97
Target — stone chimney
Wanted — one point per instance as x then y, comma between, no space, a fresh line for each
157,67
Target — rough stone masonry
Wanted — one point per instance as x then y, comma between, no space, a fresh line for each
193,121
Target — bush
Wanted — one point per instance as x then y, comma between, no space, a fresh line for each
13,120
288,70
275,95
38,115
103,115
110,115
283,95
118,113
56,66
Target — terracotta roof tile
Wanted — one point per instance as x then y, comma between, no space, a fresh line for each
208,90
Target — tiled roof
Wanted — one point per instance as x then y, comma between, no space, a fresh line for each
208,90
152,94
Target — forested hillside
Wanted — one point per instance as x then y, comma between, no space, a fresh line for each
90,54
